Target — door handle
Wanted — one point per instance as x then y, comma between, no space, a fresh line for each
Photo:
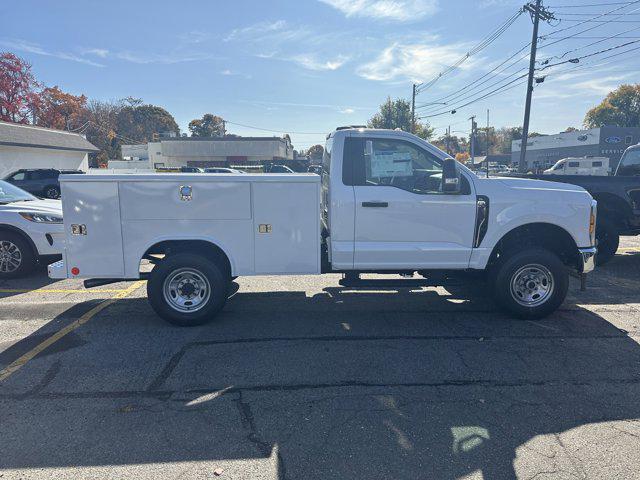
375,204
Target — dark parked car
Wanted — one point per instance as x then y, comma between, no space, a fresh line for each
42,182
618,199
222,170
191,170
278,169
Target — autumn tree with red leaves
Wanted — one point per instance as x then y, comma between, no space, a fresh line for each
60,110
18,89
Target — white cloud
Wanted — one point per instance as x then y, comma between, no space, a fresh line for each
230,73
601,85
339,108
162,58
312,63
98,52
28,47
416,61
194,37
255,30
399,10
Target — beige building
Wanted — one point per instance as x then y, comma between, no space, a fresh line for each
210,152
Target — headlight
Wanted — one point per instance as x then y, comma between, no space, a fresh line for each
40,217
592,223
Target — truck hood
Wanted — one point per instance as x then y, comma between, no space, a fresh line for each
49,207
531,184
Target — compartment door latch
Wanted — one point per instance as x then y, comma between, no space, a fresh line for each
186,192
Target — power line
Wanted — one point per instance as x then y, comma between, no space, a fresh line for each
593,65
488,40
601,22
582,22
476,92
275,131
577,59
455,94
594,13
590,5
603,39
501,89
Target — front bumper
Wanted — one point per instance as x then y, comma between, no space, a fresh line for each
587,260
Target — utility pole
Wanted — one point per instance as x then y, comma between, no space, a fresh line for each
413,110
537,12
474,127
448,139
487,135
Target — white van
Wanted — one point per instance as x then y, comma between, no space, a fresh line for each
580,166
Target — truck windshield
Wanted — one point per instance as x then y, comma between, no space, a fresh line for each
10,193
629,164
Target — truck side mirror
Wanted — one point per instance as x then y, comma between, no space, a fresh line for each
451,180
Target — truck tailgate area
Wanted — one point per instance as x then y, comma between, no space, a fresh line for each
265,223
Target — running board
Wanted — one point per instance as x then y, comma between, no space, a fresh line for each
100,282
385,283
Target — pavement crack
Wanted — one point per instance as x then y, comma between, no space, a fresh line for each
166,394
248,421
52,371
168,369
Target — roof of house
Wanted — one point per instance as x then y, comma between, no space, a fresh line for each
18,135
222,139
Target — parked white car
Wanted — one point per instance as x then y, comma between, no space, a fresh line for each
31,231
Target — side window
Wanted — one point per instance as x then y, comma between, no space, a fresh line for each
596,164
42,174
574,164
17,176
403,165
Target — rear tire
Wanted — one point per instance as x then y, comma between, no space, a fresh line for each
608,241
52,192
17,258
531,284
187,289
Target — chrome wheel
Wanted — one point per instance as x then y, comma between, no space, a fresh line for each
532,285
186,290
52,192
10,257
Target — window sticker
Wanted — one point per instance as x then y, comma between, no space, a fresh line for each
391,164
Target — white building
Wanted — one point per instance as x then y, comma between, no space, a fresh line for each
545,150
26,146
209,152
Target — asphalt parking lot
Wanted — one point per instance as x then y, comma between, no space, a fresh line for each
301,379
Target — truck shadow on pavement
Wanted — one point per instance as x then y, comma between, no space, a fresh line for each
35,280
340,383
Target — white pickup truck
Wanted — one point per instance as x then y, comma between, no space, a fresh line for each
386,202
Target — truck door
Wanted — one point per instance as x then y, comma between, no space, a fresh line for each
402,218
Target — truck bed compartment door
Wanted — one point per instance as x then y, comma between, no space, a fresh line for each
96,206
286,227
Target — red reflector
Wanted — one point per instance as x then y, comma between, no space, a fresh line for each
75,271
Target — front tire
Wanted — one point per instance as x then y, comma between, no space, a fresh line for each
531,284
17,258
187,289
608,241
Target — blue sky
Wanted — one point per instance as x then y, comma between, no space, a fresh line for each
307,66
